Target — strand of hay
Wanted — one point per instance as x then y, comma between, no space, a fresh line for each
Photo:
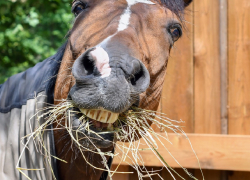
136,121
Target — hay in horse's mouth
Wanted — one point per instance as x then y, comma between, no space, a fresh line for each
126,128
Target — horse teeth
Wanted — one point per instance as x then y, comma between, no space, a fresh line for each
84,111
113,118
92,114
101,115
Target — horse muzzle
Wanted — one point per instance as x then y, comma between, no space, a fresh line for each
107,83
109,80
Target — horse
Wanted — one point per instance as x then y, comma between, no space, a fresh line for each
115,57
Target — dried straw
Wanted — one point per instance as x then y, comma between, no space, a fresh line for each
136,124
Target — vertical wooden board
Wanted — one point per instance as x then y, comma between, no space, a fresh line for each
155,127
177,96
208,174
118,176
206,67
239,67
239,72
238,175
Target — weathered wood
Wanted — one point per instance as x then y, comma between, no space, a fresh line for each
239,72
206,67
221,152
223,66
177,98
239,67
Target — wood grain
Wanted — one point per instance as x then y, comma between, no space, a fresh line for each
239,72
218,152
239,67
206,67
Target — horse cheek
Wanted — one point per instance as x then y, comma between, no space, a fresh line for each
64,80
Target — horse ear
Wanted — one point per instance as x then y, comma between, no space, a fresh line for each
187,2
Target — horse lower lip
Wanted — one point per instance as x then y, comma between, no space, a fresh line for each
102,116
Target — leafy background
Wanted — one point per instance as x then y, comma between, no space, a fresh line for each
31,31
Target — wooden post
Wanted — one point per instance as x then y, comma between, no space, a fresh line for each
223,66
223,73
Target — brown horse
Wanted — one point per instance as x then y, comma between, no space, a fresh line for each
115,57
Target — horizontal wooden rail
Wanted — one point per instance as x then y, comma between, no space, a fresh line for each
221,152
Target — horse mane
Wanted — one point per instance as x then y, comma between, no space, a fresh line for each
176,6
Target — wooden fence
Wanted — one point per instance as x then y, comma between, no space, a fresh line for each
207,85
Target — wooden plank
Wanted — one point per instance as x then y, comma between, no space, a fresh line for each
177,96
238,175
206,67
221,152
239,72
239,67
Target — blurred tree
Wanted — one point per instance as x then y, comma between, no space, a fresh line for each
31,31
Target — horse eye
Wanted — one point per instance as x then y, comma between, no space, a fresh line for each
175,32
78,8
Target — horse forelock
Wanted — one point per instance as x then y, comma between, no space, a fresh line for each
175,6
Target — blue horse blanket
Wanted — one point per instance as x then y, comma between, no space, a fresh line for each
22,97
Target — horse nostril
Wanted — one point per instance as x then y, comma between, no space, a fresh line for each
88,64
84,65
135,77
140,78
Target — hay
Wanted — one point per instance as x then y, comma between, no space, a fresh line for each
136,124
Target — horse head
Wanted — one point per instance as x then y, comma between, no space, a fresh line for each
116,57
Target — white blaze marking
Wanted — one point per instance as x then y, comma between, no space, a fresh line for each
124,20
101,61
125,17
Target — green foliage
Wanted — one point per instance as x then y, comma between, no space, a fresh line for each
31,31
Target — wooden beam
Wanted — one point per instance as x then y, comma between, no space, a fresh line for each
218,152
